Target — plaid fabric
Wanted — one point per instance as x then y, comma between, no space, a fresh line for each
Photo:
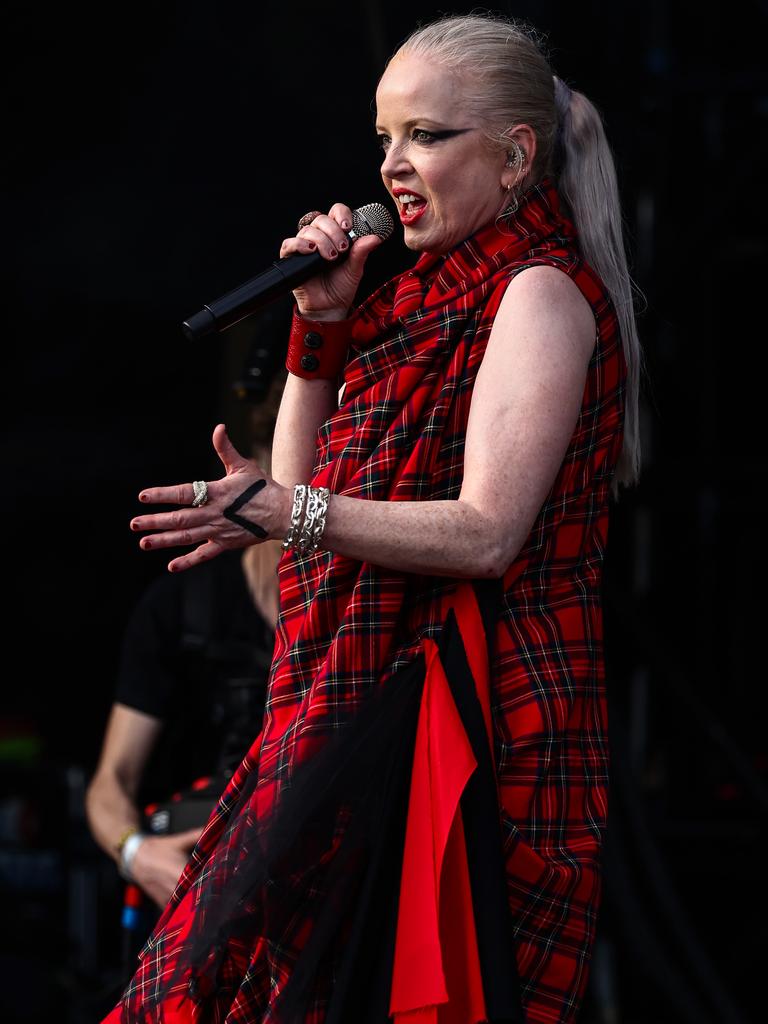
345,627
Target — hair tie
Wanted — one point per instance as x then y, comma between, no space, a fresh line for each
563,94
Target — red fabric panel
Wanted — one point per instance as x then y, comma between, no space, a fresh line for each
436,977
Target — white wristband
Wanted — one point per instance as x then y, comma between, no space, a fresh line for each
128,852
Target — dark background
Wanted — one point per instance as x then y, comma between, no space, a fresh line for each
157,154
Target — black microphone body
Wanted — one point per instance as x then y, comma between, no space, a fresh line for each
282,277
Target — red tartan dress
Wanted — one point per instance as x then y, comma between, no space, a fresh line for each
415,835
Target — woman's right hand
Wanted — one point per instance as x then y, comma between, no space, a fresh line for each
159,861
329,295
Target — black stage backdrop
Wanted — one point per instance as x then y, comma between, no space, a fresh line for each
157,154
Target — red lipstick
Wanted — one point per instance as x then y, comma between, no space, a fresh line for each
405,217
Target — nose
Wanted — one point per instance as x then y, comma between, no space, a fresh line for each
395,163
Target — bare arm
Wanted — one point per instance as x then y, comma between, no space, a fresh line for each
305,404
110,803
525,404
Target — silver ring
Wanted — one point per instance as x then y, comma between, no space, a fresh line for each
200,487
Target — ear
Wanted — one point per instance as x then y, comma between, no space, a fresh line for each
525,137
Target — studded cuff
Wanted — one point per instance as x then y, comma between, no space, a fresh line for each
317,349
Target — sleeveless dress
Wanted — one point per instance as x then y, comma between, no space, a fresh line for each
415,835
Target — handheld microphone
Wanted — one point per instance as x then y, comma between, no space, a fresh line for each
283,276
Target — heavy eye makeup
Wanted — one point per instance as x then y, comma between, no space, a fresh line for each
423,136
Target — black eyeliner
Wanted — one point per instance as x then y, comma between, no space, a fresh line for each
447,133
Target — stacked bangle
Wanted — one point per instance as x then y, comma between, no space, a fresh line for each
294,532
310,508
317,349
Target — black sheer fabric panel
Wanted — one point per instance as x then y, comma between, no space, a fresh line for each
331,851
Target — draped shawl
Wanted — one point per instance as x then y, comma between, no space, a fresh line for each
359,646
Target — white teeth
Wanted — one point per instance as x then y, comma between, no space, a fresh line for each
406,198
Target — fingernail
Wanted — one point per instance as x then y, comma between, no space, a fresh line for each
345,224
333,253
146,544
311,245
142,497
134,526
343,245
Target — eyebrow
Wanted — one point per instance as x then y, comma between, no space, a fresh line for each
414,121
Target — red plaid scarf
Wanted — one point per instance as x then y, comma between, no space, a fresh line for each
346,627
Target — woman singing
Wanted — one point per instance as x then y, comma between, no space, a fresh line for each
415,834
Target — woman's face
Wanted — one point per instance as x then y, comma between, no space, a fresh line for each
433,150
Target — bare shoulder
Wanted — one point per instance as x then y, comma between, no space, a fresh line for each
545,296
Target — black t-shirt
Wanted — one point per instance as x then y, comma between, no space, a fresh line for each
196,653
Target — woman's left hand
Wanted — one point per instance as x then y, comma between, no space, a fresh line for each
263,511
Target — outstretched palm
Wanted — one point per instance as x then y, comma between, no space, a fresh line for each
246,506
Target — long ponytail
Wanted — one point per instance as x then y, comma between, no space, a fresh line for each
586,180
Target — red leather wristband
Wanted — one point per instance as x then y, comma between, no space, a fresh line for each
317,349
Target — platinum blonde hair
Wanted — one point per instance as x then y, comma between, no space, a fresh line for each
508,80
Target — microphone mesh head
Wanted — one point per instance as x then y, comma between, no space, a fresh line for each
372,219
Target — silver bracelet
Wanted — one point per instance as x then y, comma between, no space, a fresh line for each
299,495
128,852
314,519
319,527
305,533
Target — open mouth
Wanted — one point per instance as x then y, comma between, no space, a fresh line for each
410,204
410,207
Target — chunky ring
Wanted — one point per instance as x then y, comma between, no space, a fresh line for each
307,219
200,487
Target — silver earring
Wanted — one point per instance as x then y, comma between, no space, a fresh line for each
517,158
